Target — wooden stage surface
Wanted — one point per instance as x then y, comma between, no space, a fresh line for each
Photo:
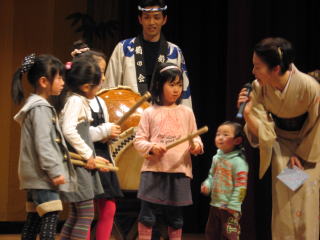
185,237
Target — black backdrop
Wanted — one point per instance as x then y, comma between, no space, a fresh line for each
217,38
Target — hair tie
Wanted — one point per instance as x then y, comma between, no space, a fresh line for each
27,63
169,67
76,51
68,65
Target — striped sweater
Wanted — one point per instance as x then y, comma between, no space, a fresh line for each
227,180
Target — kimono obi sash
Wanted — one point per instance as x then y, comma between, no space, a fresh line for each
290,124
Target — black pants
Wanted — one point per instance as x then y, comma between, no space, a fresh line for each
171,215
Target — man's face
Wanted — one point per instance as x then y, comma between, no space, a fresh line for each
152,23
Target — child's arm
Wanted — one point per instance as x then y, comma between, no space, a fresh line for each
50,159
142,140
206,186
105,130
71,113
197,145
58,180
196,148
240,178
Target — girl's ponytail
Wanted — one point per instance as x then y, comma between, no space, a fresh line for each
16,85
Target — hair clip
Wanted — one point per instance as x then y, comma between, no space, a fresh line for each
27,63
280,53
68,65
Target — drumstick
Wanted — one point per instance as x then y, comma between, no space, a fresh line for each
82,164
144,98
78,157
78,160
188,138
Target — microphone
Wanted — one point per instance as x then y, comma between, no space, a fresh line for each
242,105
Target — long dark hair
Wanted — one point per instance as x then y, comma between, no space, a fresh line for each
274,52
163,72
36,67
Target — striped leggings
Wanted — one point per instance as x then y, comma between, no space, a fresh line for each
79,220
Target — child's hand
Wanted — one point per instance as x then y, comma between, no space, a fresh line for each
101,159
58,180
196,149
91,164
204,190
115,131
158,150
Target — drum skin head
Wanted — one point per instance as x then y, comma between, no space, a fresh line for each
119,101
127,159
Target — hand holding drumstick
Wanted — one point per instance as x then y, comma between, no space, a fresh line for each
195,148
100,163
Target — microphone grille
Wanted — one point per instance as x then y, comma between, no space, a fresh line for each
247,85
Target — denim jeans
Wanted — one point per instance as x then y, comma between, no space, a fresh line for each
39,196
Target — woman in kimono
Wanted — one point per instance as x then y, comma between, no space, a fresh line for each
282,119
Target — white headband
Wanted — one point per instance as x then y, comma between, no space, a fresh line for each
152,9
169,67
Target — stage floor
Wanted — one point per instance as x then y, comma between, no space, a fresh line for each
184,237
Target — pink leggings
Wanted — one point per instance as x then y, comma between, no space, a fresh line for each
106,210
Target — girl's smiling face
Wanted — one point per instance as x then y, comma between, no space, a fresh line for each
225,138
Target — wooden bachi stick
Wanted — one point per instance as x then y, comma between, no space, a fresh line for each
76,159
144,98
188,138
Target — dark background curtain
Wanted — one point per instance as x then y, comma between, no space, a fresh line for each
217,38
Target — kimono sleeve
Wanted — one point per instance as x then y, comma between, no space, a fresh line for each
267,135
309,148
114,70
186,94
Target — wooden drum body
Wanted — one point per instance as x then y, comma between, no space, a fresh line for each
126,158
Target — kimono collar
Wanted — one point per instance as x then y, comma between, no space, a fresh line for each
140,64
282,93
